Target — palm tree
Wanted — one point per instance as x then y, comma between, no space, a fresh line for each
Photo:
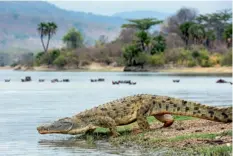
42,29
46,29
51,28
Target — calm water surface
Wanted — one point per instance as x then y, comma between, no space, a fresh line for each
24,106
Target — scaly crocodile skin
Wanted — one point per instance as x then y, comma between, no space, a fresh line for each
135,108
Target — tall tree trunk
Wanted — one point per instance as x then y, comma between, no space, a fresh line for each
47,46
42,41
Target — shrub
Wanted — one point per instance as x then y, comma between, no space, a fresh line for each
215,59
184,57
172,55
156,60
227,59
206,63
140,59
47,58
14,64
191,63
60,61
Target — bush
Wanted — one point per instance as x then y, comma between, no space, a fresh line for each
191,63
204,59
184,57
215,59
140,59
14,64
47,58
156,60
172,55
60,61
206,63
227,59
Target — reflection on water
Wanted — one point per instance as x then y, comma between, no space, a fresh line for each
24,106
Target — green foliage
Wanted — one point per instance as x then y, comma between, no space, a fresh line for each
203,59
228,31
129,53
158,44
60,61
47,58
140,59
184,29
73,39
197,33
156,59
142,24
46,29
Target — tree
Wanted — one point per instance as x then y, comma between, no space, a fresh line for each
142,25
171,25
184,29
51,29
73,39
227,34
46,29
216,21
129,53
158,44
42,29
210,37
197,33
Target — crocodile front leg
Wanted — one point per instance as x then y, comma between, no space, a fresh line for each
107,122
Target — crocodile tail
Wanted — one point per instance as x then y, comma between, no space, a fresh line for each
167,105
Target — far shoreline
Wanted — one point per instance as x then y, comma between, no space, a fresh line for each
97,67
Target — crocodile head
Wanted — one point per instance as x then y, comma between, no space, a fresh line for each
64,126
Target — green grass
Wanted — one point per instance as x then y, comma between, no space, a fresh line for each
222,150
155,141
200,136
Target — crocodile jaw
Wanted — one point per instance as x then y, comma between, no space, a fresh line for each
61,126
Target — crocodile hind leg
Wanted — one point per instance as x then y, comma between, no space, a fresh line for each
107,122
167,119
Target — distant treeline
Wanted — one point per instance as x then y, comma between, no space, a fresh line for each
185,39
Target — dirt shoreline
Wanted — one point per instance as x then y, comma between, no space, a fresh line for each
195,136
98,67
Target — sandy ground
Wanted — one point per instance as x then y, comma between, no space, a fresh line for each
6,68
101,67
200,70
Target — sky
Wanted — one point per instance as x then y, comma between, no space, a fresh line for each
110,7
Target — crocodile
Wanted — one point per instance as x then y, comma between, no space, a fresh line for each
135,108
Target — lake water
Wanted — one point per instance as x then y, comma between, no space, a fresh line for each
24,106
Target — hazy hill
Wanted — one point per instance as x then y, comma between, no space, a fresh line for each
141,14
19,20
